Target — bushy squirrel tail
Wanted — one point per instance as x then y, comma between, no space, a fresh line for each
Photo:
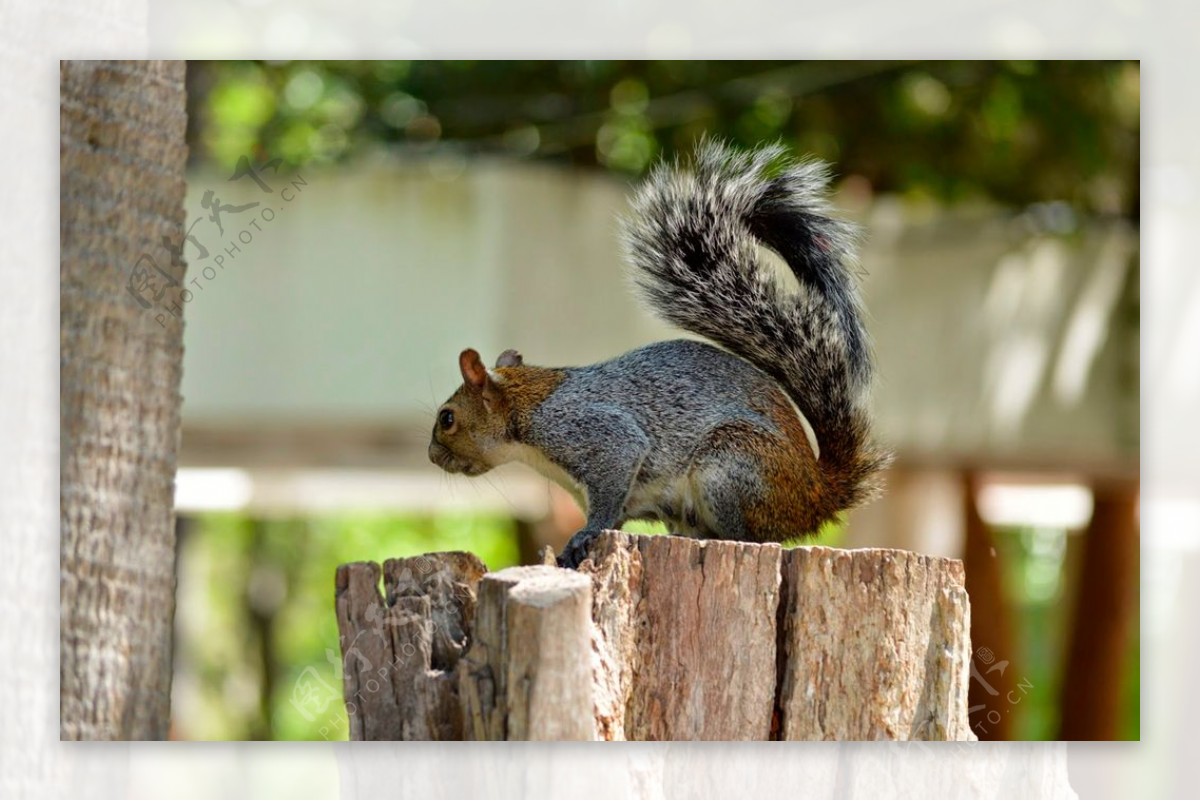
693,241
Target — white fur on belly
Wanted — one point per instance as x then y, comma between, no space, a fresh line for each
529,455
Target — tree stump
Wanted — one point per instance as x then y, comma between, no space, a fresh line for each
528,673
400,649
875,646
659,638
686,633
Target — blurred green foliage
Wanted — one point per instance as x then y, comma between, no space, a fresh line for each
255,614
256,618
1018,132
1035,565
256,624
830,535
256,597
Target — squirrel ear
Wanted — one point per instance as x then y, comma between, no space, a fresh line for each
473,372
510,358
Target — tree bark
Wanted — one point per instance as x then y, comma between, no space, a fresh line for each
881,638
686,633
122,187
665,638
400,648
528,673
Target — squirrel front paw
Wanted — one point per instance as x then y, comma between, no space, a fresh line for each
577,548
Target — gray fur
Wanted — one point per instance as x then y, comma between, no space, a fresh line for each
637,421
670,431
692,240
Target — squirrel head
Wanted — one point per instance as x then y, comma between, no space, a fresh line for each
473,424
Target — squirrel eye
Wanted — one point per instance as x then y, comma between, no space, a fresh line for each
446,419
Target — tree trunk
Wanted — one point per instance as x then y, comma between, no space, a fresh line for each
122,189
661,638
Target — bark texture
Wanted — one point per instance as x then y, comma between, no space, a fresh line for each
400,647
686,637
528,674
122,187
875,646
665,638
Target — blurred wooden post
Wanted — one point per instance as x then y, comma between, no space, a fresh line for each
665,638
991,625
1105,613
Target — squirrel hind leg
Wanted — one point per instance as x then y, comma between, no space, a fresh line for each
724,485
750,485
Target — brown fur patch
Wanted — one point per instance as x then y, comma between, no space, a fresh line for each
491,417
797,502
523,389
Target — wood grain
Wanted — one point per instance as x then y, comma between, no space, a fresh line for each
663,638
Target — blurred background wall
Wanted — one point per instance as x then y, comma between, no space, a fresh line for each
355,225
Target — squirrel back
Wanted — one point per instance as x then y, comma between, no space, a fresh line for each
701,437
693,242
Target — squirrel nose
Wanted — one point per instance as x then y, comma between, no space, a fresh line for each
439,454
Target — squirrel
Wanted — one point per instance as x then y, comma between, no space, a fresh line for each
762,439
